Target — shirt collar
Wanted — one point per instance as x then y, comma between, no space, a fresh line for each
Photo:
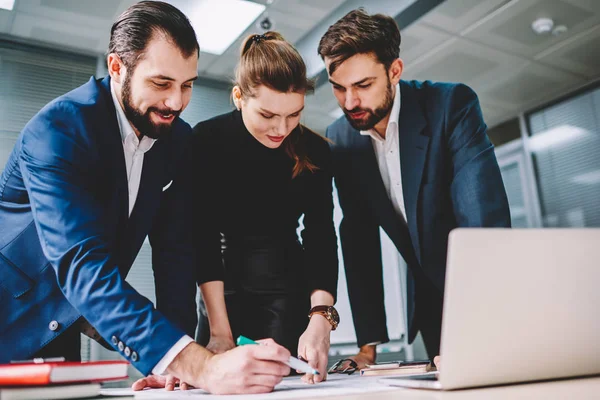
125,128
392,122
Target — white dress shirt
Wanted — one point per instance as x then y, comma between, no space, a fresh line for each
134,150
387,152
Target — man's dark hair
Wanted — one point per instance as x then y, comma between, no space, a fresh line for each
135,27
360,33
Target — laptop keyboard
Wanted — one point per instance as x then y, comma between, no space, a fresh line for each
424,377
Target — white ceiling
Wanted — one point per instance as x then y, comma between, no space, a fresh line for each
84,25
487,44
292,18
490,46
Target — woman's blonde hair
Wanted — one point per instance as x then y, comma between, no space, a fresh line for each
272,61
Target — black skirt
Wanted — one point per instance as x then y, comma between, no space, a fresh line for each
265,289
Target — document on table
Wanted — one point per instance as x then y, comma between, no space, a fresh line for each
289,388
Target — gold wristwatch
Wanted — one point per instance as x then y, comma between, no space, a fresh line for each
330,314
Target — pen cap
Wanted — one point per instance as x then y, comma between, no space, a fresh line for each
243,340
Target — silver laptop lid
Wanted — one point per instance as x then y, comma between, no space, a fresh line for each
520,305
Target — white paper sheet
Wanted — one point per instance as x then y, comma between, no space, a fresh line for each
290,388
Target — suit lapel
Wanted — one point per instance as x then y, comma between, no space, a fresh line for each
413,151
150,184
380,201
148,198
116,156
371,176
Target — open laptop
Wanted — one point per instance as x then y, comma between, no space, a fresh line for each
519,305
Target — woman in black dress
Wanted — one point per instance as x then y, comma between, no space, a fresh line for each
258,171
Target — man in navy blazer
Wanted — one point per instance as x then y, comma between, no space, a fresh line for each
410,157
93,174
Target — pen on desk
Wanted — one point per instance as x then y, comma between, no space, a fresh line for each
293,362
39,360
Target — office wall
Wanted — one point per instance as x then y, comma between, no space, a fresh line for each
565,145
552,172
29,78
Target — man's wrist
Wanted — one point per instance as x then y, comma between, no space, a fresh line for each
190,364
161,366
203,368
175,366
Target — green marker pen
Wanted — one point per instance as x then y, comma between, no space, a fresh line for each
293,362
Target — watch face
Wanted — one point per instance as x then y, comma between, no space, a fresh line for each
334,315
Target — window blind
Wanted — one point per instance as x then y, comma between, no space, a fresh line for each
565,143
511,175
207,101
31,77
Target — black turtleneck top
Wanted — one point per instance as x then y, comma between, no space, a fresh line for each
243,188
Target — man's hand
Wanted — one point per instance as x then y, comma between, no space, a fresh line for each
366,355
159,381
245,369
220,344
313,347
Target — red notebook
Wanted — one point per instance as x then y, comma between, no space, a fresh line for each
24,374
50,392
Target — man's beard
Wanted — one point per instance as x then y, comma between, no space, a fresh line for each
373,117
143,121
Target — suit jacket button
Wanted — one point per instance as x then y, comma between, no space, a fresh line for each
134,356
127,351
121,346
53,326
114,340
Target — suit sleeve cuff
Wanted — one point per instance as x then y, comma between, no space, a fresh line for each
168,358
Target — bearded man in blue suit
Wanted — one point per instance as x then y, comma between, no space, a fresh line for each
412,158
93,174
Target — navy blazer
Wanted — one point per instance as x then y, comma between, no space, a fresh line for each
67,243
450,178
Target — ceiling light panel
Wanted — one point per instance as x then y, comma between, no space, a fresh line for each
218,23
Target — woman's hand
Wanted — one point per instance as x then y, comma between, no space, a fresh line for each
220,344
313,347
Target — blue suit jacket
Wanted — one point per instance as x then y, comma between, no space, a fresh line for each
450,178
66,242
